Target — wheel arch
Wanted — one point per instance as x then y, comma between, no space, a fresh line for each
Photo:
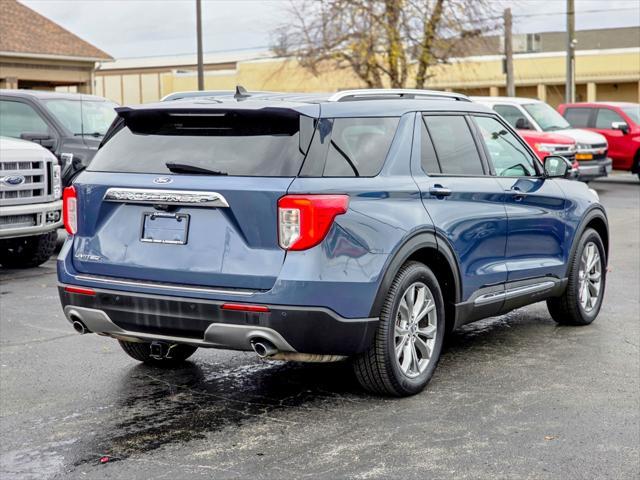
595,218
425,248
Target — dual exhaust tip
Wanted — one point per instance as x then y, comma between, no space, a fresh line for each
263,348
79,326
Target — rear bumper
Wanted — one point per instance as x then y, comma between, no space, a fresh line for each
313,330
590,169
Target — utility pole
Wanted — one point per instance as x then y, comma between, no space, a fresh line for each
570,87
199,35
508,52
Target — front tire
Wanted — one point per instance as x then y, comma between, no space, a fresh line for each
582,299
28,252
141,351
408,342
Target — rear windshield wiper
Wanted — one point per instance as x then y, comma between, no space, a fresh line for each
193,169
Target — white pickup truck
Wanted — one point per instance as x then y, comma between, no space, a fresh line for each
30,203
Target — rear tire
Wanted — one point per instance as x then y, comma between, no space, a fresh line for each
408,341
577,305
28,252
141,351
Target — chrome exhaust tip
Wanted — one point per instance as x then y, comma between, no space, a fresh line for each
263,348
80,327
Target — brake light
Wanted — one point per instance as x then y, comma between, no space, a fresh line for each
70,210
304,220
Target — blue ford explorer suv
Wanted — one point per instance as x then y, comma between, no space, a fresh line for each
366,224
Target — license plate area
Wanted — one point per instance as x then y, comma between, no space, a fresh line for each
169,228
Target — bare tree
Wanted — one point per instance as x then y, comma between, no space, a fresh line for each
384,42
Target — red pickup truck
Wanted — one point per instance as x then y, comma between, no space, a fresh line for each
619,122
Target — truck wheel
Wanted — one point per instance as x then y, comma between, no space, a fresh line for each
408,342
28,252
141,351
582,299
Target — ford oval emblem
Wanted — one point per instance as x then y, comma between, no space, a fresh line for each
162,180
13,180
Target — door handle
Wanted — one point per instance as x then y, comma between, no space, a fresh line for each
516,192
439,191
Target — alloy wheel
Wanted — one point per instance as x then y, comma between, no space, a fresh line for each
415,329
590,277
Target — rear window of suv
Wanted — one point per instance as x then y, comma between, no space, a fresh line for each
228,143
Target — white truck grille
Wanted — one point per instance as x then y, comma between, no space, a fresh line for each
33,185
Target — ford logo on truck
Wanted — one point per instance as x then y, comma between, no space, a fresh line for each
13,180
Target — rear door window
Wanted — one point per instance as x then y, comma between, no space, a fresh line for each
453,145
511,115
17,118
578,117
228,143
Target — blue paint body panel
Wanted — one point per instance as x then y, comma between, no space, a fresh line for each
234,252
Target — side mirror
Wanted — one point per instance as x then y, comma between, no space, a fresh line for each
622,126
522,124
556,166
43,139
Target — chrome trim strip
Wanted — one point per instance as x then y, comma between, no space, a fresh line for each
163,286
525,289
513,292
165,197
489,298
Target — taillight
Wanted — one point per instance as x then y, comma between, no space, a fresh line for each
304,220
70,210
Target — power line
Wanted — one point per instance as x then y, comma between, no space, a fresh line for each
546,14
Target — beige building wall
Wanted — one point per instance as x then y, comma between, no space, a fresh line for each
45,74
600,75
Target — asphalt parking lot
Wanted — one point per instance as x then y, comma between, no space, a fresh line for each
513,397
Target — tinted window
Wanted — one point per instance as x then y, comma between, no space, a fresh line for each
245,144
17,118
509,156
578,117
454,146
359,146
428,153
606,117
510,114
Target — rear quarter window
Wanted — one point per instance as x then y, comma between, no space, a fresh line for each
350,147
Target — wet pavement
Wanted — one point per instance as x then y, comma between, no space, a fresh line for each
513,397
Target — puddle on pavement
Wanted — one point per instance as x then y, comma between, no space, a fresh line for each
158,407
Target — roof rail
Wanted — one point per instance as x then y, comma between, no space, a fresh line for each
411,93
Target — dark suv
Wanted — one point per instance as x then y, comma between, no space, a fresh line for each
365,224
71,125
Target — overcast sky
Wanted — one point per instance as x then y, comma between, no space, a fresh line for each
136,28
